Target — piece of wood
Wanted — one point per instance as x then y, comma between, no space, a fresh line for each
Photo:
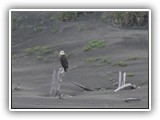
129,85
115,84
124,78
53,82
56,81
82,86
120,78
132,99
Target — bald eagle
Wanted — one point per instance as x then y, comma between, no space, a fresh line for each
63,60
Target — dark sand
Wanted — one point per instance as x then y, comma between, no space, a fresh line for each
31,78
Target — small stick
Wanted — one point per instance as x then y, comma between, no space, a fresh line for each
115,84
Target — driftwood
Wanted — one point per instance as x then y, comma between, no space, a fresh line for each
115,84
82,86
65,96
132,99
122,83
56,82
129,85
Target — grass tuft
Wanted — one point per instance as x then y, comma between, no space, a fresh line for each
38,50
67,16
132,58
39,57
130,18
37,28
104,60
121,64
92,59
93,44
130,75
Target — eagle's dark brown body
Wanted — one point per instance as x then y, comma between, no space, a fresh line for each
64,62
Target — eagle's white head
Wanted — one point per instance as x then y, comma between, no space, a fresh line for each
61,52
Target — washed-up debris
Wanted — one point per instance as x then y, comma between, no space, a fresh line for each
115,84
132,99
56,81
64,96
82,86
126,86
122,83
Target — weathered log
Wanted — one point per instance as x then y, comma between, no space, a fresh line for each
120,79
122,83
124,78
129,85
56,81
82,86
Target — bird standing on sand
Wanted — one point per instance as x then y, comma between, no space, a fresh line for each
63,60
